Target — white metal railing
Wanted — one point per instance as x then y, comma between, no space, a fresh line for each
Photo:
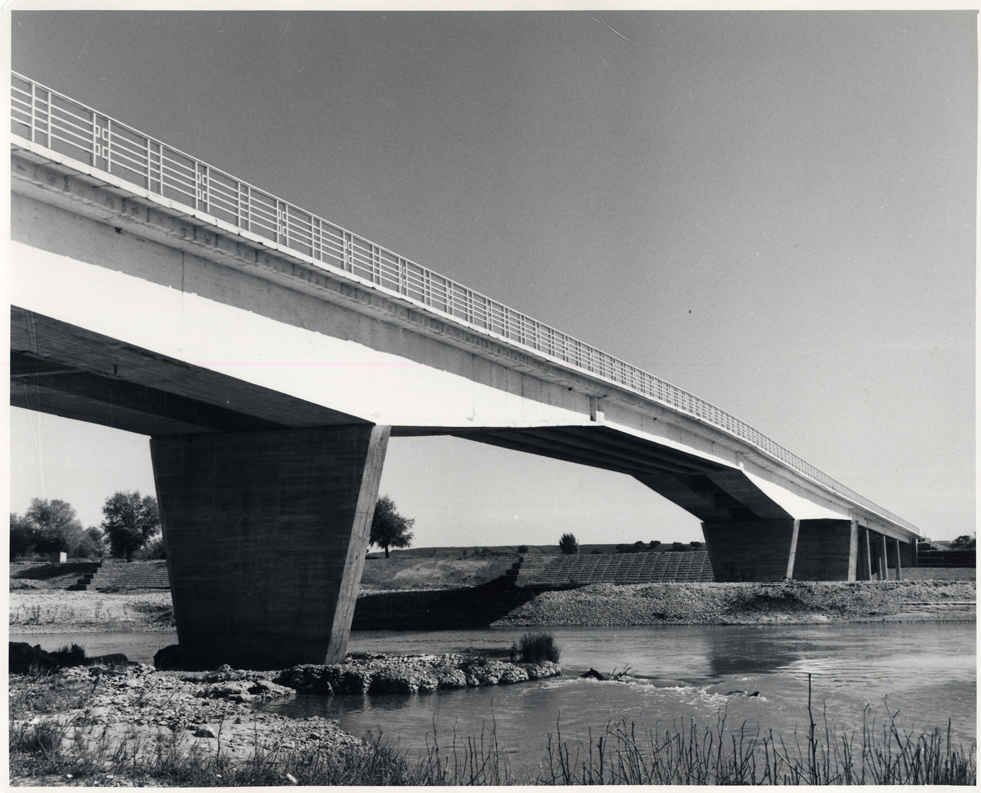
49,119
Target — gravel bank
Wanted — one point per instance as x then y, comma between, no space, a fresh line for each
747,604
118,715
61,611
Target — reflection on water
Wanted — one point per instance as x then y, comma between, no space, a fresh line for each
926,671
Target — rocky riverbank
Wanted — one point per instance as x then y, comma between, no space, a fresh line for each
108,721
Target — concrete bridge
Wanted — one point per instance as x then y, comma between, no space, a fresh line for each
270,355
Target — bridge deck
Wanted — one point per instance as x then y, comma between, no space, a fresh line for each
52,126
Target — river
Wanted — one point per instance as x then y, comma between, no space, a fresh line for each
924,672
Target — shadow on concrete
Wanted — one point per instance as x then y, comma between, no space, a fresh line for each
449,609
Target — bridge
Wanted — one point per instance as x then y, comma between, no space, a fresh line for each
270,354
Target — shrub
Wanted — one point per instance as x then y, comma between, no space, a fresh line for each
653,543
70,655
533,648
522,549
678,546
569,544
696,544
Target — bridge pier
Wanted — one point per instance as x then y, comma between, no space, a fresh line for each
266,534
751,550
803,550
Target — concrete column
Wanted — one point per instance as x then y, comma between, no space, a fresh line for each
793,550
824,550
752,550
266,534
899,562
866,556
883,560
853,552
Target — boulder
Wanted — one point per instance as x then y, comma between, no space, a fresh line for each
169,658
112,659
245,691
26,660
306,679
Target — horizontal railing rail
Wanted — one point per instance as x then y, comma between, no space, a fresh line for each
54,121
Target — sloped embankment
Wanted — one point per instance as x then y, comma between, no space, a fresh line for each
747,604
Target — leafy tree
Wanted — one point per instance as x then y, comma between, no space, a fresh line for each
569,544
964,541
130,520
388,528
154,550
21,536
47,526
89,544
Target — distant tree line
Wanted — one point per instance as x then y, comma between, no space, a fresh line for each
130,528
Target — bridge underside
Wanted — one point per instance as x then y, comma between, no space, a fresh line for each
267,499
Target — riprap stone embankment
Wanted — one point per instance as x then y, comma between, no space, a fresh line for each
748,604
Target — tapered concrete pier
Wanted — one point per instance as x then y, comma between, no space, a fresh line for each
266,535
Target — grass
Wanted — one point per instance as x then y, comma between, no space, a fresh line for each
533,648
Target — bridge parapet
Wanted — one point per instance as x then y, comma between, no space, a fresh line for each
60,129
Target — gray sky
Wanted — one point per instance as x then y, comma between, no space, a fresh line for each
773,210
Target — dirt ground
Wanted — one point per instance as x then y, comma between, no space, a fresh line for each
61,611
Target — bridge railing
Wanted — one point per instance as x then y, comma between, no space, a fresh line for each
50,119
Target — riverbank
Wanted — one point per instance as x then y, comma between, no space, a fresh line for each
501,604
750,604
128,724
102,726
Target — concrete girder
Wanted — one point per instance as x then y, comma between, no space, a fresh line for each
75,373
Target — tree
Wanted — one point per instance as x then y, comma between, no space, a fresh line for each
47,526
92,543
388,528
130,520
21,536
569,544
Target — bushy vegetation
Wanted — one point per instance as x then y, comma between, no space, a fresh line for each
569,544
52,526
130,521
533,648
130,527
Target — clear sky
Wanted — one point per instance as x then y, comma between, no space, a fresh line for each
774,210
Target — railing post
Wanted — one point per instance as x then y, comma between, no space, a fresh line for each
34,113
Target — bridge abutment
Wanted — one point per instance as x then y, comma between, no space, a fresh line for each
266,535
